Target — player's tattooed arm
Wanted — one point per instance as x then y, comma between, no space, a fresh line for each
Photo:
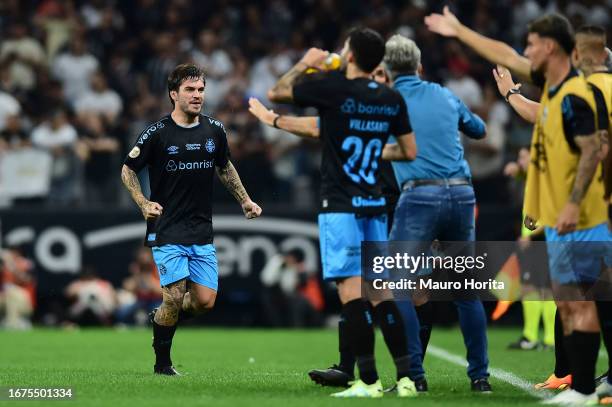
590,156
282,92
231,180
591,148
172,294
130,180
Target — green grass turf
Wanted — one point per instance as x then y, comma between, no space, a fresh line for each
225,367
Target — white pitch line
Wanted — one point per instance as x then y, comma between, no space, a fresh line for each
499,374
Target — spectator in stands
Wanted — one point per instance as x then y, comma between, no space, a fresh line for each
24,56
486,157
58,20
102,158
74,69
9,106
14,135
141,291
17,289
292,295
164,60
460,82
92,300
99,101
217,63
59,137
268,69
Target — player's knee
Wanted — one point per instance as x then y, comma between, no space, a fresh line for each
349,289
205,301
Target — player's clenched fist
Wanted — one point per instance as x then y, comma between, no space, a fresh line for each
314,57
151,210
251,209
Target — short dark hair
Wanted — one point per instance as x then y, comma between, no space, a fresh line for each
182,73
368,47
593,30
556,27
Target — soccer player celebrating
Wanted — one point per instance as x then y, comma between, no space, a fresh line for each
564,185
182,151
357,115
342,373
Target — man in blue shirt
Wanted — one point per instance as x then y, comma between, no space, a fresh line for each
437,199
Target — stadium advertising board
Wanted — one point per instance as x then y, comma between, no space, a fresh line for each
62,243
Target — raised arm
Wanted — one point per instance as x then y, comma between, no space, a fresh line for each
527,109
149,209
231,180
282,91
404,150
300,126
494,51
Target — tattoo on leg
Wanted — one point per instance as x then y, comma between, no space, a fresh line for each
187,302
173,294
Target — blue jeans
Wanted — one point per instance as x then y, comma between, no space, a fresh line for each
446,213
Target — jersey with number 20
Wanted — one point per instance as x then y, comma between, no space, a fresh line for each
357,116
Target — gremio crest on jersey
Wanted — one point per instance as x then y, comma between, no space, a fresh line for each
210,145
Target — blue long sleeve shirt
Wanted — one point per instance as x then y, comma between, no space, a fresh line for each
436,116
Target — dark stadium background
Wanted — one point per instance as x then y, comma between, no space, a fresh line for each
86,219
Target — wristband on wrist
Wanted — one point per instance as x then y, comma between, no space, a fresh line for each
274,123
513,91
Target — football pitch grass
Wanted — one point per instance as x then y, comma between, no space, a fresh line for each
237,367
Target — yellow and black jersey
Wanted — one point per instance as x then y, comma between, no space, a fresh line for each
566,112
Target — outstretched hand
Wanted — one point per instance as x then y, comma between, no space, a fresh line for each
257,109
504,81
445,24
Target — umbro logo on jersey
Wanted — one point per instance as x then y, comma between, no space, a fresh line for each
210,145
191,147
173,150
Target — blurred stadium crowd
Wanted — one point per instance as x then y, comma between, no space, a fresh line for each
80,79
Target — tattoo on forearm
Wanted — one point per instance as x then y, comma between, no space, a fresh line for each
231,180
587,166
130,180
287,80
172,294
